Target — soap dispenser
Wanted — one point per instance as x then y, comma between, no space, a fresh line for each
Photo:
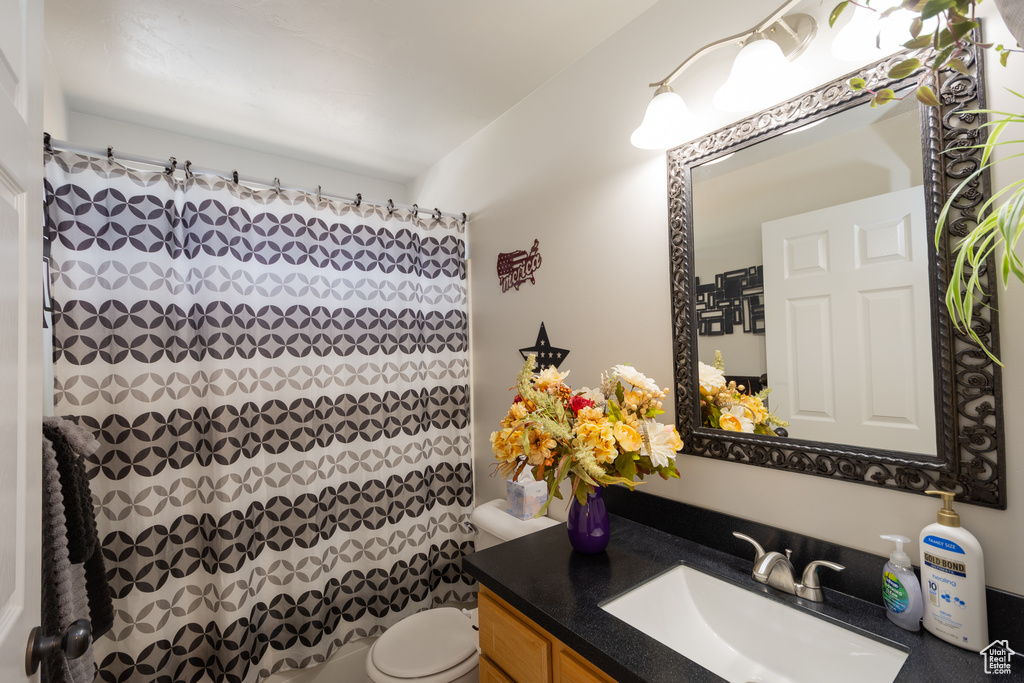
953,580
901,591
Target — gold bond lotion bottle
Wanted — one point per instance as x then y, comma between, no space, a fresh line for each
953,580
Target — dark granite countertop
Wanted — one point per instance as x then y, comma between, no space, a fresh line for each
560,590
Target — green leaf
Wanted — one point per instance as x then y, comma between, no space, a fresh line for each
1003,56
962,28
957,65
927,96
857,84
836,11
905,68
915,27
914,5
883,96
933,8
919,42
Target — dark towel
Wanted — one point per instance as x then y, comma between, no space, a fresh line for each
72,444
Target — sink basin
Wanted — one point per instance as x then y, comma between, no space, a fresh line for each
743,636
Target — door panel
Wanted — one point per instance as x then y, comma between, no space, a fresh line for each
21,245
848,325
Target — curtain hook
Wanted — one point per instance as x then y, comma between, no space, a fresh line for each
110,153
391,207
415,210
319,198
277,185
188,168
464,219
437,214
47,147
172,165
359,199
234,177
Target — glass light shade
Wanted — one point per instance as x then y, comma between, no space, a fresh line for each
665,123
761,76
868,37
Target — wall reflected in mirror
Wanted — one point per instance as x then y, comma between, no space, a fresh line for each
811,258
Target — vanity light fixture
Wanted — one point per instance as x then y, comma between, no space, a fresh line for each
869,36
667,123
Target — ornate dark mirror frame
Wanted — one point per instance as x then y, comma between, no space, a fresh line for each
968,397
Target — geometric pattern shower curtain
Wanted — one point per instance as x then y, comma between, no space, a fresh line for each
280,387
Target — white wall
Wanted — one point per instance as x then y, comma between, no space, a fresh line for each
55,107
98,132
558,167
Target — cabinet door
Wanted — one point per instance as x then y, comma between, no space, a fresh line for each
570,668
490,673
519,650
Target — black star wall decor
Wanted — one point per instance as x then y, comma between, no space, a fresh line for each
546,353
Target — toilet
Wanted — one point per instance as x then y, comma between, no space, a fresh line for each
439,645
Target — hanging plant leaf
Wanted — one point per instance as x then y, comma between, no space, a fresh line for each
905,68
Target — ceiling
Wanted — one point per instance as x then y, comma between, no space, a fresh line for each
383,88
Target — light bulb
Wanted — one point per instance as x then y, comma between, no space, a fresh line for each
665,122
868,37
761,76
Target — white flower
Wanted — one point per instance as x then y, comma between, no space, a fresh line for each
594,395
664,443
741,414
711,377
636,378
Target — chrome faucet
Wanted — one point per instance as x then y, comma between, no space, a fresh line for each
776,570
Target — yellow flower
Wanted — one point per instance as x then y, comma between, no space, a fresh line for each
549,379
598,435
755,408
627,437
541,446
730,423
507,444
589,415
516,413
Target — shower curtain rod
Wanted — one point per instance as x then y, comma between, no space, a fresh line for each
171,164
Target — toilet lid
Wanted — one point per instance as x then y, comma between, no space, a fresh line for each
425,643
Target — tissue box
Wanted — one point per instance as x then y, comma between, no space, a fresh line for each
525,497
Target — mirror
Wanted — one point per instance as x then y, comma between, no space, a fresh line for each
803,251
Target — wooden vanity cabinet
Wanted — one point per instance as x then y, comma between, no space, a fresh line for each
516,650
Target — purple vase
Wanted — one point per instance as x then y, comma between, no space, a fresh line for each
588,524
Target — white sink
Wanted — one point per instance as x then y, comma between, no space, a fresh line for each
743,636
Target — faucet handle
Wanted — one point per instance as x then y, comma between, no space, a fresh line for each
748,539
810,578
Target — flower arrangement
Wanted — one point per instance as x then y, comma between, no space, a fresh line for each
595,437
724,405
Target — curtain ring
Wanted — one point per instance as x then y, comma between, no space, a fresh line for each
437,214
318,197
391,208
47,147
172,165
110,154
234,177
415,210
464,218
188,168
359,199
277,185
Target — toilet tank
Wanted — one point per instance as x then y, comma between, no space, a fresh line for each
494,525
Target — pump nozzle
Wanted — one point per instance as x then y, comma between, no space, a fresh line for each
947,516
898,557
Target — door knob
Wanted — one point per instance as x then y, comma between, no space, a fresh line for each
72,644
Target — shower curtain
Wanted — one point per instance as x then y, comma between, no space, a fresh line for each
279,384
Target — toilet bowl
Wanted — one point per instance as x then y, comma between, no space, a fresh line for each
439,645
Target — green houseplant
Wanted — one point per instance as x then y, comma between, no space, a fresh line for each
940,32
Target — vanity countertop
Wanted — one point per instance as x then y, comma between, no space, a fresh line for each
560,590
